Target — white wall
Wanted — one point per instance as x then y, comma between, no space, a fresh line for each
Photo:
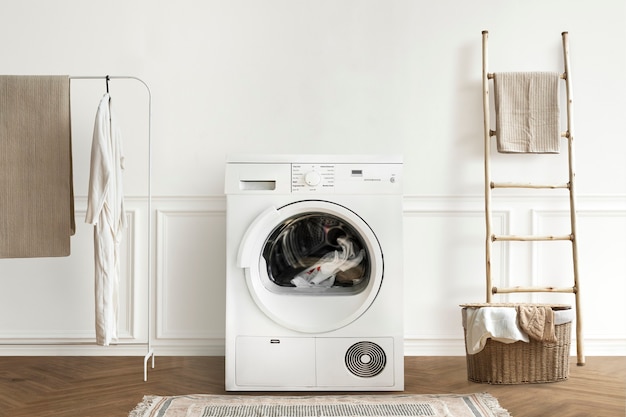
295,76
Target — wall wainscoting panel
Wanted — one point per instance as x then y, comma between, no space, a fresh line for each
190,272
602,243
46,305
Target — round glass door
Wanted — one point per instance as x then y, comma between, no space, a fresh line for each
316,252
312,266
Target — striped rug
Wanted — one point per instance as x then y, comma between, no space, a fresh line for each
449,405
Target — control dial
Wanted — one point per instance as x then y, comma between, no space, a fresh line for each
312,178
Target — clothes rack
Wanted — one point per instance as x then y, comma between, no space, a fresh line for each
150,351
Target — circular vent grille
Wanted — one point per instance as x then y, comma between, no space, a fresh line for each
366,359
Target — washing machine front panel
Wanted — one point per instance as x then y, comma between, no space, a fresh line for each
312,266
284,214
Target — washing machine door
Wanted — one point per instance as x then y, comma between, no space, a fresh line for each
311,266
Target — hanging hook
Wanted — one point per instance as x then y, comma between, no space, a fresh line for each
107,81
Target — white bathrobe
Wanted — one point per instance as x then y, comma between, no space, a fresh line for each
105,210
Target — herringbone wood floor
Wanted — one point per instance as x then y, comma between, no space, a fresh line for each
112,386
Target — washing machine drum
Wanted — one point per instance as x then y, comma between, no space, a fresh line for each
312,266
316,250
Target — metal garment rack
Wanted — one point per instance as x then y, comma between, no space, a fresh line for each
150,353
490,185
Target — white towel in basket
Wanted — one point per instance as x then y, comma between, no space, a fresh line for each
497,323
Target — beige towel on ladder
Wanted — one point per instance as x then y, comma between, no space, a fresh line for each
36,193
527,112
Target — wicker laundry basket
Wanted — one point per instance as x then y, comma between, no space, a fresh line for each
522,362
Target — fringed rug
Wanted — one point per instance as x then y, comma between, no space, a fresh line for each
449,405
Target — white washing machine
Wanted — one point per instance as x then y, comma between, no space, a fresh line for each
314,285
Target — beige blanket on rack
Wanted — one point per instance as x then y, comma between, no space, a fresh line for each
36,193
527,112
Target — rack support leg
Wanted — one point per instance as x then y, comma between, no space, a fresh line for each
145,364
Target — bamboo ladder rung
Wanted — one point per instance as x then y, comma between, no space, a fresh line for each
530,238
510,290
528,185
562,76
563,134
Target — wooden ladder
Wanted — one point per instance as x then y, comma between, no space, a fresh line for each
491,238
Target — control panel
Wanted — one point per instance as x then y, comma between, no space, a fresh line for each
312,177
345,178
